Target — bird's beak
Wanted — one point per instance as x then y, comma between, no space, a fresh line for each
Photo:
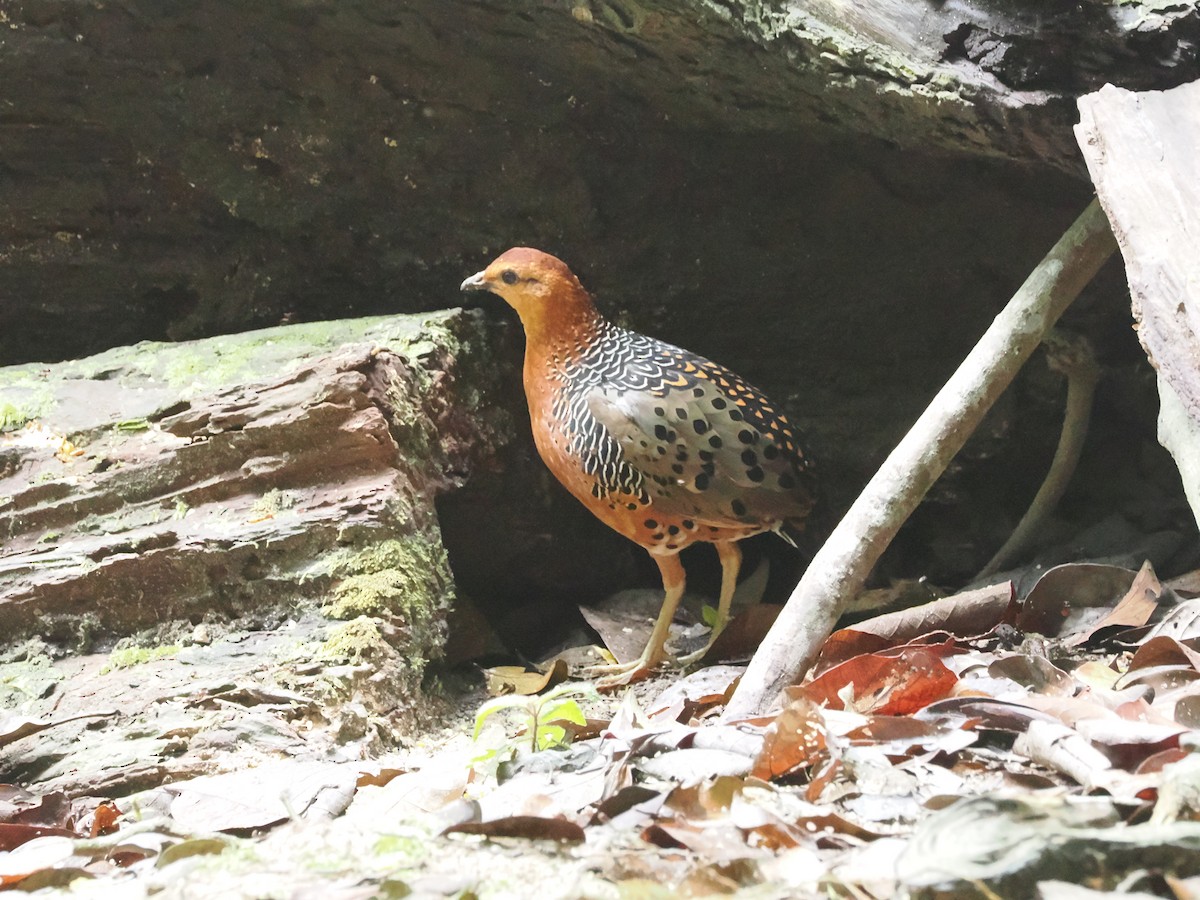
475,283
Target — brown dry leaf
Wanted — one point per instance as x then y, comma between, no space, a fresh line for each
625,619
744,633
715,843
905,736
989,714
894,683
35,856
1164,651
1133,610
796,739
1034,672
503,680
14,834
1155,762
1073,597
705,800
374,775
966,614
692,695
533,828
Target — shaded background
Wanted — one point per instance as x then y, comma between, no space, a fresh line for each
833,201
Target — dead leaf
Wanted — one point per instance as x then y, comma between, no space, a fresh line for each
34,856
1164,651
1181,623
695,693
625,619
1073,597
692,764
1133,610
503,680
797,739
374,775
888,684
965,615
744,633
533,828
14,834
1033,672
255,798
104,819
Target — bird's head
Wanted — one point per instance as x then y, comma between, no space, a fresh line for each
540,287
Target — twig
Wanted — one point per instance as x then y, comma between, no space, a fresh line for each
841,566
1072,356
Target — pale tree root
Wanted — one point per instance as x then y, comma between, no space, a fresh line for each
840,567
1070,355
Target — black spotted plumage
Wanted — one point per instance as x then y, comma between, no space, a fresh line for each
656,422
660,444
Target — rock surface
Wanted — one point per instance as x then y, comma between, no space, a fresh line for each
831,199
245,478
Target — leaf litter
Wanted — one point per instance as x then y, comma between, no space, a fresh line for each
979,746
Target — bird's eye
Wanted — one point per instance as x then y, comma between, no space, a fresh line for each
508,276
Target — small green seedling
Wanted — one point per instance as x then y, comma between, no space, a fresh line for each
541,716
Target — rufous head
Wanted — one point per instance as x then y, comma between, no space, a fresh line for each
537,285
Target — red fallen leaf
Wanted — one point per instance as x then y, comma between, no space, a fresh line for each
14,834
795,740
822,780
966,614
1133,610
534,828
104,820
887,684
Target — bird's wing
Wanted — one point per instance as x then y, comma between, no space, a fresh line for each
708,445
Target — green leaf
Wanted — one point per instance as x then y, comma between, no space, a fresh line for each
497,704
551,736
709,615
563,710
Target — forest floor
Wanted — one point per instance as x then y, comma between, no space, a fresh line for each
983,745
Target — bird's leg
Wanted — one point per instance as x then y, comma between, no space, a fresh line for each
731,562
673,578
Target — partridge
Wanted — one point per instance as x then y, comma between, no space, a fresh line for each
662,445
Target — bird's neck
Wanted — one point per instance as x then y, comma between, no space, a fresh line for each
561,327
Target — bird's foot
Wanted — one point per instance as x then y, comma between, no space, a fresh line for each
694,657
611,677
